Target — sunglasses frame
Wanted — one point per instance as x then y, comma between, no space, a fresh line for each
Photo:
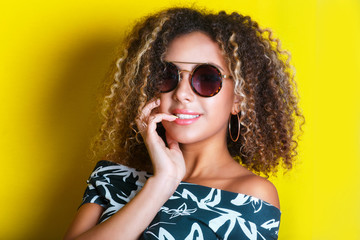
222,76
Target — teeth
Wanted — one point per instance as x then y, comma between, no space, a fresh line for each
186,116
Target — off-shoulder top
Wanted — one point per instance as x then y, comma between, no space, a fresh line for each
192,212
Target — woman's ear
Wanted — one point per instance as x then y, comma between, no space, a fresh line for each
236,105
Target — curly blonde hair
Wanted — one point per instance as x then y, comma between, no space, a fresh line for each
264,81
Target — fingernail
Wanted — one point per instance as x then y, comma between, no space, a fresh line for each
157,101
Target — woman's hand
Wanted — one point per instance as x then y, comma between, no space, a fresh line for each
168,162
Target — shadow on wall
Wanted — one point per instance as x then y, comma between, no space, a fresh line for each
70,122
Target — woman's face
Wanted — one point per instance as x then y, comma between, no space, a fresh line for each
200,118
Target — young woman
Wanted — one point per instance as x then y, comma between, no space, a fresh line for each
193,95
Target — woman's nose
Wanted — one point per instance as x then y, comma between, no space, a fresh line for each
183,92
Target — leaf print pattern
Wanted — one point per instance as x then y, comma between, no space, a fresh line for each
195,233
192,212
180,211
270,224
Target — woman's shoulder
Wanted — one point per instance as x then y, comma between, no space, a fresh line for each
253,185
107,171
239,179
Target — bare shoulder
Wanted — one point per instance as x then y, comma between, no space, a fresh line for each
247,182
257,186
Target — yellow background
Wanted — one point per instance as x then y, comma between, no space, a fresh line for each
54,55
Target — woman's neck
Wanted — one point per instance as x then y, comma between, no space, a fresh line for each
203,159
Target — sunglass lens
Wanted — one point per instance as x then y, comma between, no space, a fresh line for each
206,80
169,78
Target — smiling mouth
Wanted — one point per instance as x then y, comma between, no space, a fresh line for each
186,116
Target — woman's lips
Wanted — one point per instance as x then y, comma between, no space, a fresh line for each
185,117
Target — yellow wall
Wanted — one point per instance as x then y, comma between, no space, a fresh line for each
54,54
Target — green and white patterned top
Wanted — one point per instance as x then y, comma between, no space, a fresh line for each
192,212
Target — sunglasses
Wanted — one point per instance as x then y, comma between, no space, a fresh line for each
205,79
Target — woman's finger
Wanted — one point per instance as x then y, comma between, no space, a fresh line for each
149,107
153,120
142,120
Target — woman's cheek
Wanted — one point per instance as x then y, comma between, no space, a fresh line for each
164,104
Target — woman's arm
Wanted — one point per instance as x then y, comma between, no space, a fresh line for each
131,220
86,217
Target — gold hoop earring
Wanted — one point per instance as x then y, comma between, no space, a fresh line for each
238,133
